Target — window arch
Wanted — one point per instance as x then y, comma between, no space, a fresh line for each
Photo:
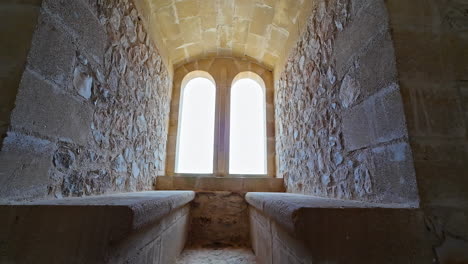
195,136
247,136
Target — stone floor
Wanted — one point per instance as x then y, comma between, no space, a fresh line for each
217,256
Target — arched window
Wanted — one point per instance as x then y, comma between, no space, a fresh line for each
247,138
195,137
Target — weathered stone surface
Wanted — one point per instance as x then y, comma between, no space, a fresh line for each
430,43
219,219
97,92
222,255
117,228
336,99
193,29
249,184
298,228
52,52
25,163
44,108
84,25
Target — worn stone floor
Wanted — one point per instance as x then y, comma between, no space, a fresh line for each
217,256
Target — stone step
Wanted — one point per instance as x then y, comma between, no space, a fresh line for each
217,256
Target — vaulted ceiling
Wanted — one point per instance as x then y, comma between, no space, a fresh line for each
262,30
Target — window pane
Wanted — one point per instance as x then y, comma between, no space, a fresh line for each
196,127
247,145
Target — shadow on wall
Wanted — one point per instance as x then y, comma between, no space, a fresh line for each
15,41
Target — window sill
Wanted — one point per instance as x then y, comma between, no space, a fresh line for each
233,183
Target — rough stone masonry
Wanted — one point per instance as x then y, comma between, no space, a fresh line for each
341,129
91,114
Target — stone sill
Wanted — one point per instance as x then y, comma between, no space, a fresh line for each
134,210
117,228
232,184
325,230
287,208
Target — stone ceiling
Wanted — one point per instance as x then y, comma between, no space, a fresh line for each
262,30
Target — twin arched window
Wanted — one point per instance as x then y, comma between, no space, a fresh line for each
199,116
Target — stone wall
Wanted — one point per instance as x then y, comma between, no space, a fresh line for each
431,40
15,39
92,110
219,219
341,129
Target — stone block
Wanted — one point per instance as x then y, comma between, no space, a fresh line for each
52,52
261,237
173,240
25,162
149,254
187,8
357,128
388,117
78,16
393,175
366,24
376,66
337,231
101,229
219,219
41,108
282,255
378,119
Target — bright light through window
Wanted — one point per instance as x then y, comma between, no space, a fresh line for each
196,127
247,145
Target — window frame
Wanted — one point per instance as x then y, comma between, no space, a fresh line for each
256,78
225,72
189,77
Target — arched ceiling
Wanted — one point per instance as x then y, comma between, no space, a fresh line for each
262,30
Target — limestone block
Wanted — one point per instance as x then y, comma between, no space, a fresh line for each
187,9
371,19
52,52
104,229
377,65
394,174
378,119
219,218
357,128
173,240
314,229
261,238
263,15
149,254
25,162
42,109
78,16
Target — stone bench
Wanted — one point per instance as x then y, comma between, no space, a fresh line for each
292,228
118,228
